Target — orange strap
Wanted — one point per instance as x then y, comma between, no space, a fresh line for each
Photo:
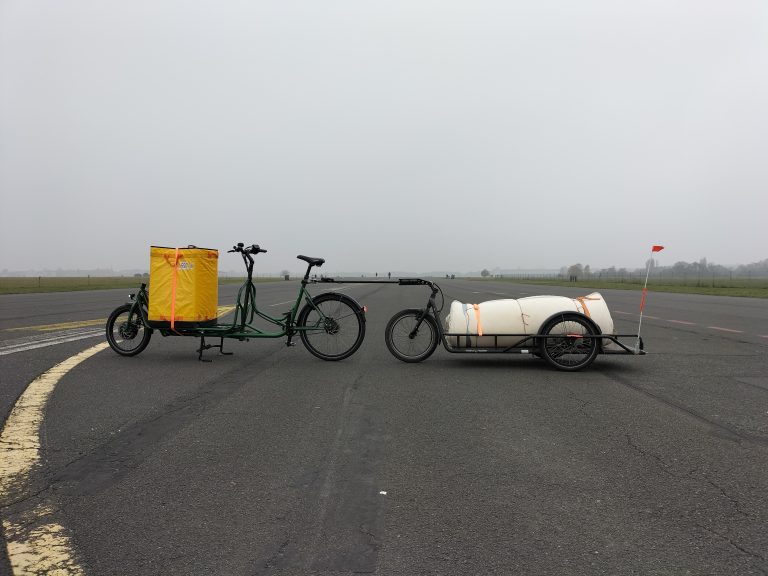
173,290
583,301
477,317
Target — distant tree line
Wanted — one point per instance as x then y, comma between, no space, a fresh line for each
680,269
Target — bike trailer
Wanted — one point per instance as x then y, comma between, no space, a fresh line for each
183,287
515,317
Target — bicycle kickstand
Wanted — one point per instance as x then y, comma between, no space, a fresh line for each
204,346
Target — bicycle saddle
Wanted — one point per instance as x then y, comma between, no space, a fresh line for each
312,261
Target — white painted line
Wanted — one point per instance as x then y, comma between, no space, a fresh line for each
35,543
651,317
294,300
60,326
763,335
726,329
52,339
622,312
43,338
683,322
48,341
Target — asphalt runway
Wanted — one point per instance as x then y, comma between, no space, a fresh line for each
272,461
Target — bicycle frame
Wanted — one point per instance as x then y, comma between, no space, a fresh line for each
246,311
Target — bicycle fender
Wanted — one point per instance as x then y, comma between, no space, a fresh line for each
360,310
583,317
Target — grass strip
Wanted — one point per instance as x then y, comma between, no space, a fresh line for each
42,284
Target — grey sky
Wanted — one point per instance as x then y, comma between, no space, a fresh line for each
415,135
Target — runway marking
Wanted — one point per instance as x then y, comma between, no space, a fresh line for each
60,326
43,341
634,314
683,322
282,303
726,329
224,310
34,342
35,543
45,550
294,300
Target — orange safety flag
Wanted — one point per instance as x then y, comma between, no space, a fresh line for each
657,248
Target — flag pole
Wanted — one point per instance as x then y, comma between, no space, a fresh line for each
655,248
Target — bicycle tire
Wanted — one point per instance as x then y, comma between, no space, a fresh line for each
121,329
410,347
571,352
339,326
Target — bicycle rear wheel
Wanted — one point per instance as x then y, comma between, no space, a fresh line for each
405,342
332,327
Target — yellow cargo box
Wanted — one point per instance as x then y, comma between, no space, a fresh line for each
183,287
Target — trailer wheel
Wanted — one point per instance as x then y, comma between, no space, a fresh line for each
570,350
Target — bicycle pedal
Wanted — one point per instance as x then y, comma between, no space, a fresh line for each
290,343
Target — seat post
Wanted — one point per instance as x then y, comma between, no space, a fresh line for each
306,276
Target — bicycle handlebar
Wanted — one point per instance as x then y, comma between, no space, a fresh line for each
252,249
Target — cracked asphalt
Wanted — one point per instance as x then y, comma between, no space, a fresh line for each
272,462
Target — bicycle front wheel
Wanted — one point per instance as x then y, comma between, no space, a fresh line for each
127,334
405,342
332,327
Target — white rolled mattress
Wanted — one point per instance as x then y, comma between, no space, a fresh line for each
518,316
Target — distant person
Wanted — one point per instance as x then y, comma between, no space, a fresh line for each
377,274
389,275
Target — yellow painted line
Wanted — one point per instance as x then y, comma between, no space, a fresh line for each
222,311
61,325
35,544
46,549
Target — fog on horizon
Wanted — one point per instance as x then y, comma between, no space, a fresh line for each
384,136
